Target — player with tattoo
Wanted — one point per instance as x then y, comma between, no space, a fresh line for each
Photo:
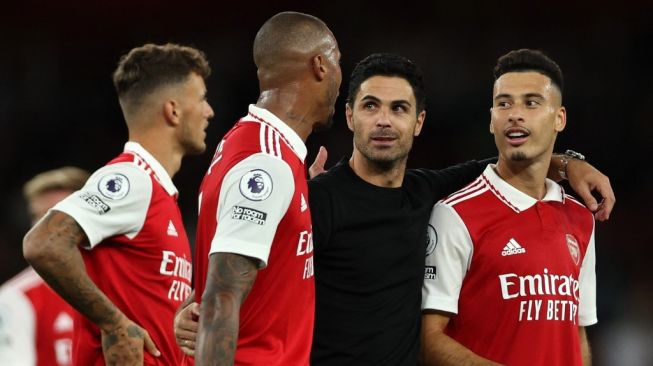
254,248
116,250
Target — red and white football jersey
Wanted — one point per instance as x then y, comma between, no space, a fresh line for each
139,254
254,202
518,273
36,325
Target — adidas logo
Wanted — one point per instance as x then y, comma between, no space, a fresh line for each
512,248
171,229
303,205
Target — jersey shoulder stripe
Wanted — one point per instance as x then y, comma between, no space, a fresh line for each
473,189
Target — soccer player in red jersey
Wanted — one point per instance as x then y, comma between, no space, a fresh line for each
36,325
116,250
254,248
510,273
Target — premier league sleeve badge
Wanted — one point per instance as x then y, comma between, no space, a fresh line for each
114,186
256,185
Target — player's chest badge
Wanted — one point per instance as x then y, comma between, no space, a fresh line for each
574,250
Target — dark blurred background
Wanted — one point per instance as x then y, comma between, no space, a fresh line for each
58,107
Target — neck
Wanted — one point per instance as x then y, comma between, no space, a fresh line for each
288,104
378,175
527,176
165,150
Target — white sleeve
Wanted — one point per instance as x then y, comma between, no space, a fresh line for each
114,201
587,302
448,262
254,197
17,345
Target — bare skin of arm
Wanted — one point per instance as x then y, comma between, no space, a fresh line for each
186,324
51,247
584,347
229,280
440,349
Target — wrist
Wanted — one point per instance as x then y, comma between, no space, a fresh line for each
565,158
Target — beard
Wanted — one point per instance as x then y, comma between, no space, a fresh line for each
191,146
383,160
518,156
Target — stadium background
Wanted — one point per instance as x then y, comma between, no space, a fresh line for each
58,107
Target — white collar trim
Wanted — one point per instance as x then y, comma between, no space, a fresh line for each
159,172
515,198
296,143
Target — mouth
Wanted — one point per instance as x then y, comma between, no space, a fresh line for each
383,139
517,135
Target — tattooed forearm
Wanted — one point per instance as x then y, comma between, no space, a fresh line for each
229,281
51,247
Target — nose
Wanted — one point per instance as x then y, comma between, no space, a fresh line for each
516,115
209,111
383,117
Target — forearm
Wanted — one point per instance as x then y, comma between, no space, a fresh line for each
52,249
585,347
229,280
556,166
442,350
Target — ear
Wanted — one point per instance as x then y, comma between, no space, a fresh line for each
561,119
420,122
319,67
171,111
349,114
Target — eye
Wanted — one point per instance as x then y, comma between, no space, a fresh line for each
369,106
503,104
400,108
532,103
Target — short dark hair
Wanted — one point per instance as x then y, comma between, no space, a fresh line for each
529,60
151,66
385,64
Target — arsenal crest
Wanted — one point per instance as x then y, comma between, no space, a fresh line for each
574,250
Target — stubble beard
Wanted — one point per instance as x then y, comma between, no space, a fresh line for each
382,162
518,156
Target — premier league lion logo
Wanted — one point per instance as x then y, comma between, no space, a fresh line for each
256,185
114,186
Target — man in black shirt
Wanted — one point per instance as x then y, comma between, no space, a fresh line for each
370,219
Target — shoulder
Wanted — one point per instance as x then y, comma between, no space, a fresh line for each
334,176
578,211
120,180
467,193
24,281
